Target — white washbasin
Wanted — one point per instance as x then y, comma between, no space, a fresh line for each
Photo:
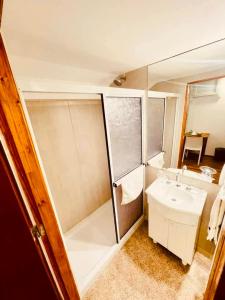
181,204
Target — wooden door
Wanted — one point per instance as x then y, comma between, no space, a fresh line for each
24,272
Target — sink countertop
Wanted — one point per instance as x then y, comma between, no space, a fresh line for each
172,199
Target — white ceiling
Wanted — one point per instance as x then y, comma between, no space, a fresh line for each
108,37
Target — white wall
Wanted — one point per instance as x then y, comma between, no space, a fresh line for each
207,114
71,140
31,71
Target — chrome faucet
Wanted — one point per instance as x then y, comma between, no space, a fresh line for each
179,174
183,169
177,179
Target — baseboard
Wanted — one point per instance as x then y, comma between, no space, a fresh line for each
131,231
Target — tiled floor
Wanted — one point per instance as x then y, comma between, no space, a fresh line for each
143,270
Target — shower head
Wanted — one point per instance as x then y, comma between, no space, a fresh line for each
119,81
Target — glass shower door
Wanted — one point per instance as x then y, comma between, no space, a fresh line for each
123,116
155,111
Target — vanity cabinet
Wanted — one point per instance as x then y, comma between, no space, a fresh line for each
178,238
174,216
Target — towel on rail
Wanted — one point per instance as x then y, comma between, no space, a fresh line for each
216,216
157,161
132,185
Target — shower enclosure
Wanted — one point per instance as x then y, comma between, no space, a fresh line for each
70,137
86,143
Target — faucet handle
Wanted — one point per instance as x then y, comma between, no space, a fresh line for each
178,179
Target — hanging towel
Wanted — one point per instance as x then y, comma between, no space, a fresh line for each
157,161
216,216
132,185
222,176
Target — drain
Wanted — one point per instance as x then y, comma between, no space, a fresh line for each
173,199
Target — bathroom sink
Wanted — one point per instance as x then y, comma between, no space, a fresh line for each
177,202
174,212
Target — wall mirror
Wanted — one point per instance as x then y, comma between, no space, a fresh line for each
198,76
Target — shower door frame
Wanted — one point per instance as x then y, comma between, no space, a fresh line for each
123,93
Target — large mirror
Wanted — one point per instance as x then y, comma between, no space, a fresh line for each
198,76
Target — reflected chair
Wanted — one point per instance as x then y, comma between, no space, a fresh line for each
193,144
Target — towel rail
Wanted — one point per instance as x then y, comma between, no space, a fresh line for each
119,181
145,164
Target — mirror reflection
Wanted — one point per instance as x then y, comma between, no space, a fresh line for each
198,136
204,140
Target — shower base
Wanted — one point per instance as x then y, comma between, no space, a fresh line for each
90,244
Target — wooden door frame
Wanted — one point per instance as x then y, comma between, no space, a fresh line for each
23,210
218,262
19,142
1,9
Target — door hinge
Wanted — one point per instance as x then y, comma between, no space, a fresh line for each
38,231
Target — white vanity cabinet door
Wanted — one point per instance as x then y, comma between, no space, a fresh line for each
158,228
181,240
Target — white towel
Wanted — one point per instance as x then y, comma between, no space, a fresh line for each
222,176
216,216
132,185
157,161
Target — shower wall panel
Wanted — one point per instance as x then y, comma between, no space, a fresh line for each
71,139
